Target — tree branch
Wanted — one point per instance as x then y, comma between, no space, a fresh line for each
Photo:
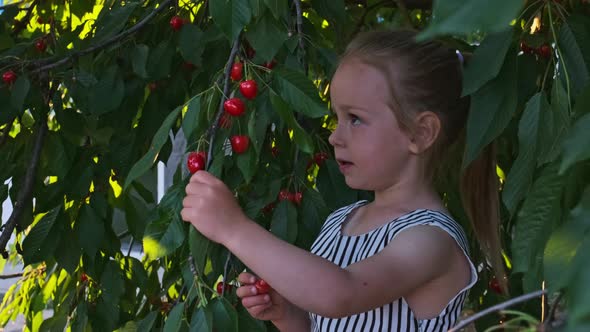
11,276
107,42
212,131
26,190
498,307
25,21
300,34
14,4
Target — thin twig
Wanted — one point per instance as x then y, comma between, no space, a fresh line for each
11,276
26,190
20,26
107,42
498,307
212,131
299,21
225,266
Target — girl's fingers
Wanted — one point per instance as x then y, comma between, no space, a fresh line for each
246,278
259,310
250,302
245,291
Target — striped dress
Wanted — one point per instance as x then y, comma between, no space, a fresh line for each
397,315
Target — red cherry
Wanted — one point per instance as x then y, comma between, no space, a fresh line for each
9,77
320,157
240,143
83,277
249,89
219,287
40,20
234,106
40,45
274,151
261,286
188,66
495,285
176,22
284,195
268,208
526,49
545,51
236,71
152,86
225,121
250,52
195,162
269,64
297,197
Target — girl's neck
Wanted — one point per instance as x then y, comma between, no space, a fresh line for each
406,196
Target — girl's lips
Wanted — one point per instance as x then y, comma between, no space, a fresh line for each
344,165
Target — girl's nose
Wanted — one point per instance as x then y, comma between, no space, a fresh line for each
335,138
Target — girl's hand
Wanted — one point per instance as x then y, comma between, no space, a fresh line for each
270,306
211,207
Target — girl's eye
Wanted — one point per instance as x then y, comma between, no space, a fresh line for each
355,120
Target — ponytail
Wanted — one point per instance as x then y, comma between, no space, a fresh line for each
479,193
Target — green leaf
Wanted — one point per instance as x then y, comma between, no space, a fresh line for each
34,241
202,320
574,43
225,317
112,20
198,246
247,163
163,235
174,320
463,17
146,162
329,181
300,137
231,16
554,125
91,230
492,107
20,90
536,218
266,36
487,61
575,144
191,117
278,8
160,59
108,93
284,221
111,282
248,323
299,92
333,10
139,57
191,44
521,173
259,122
147,322
564,243
579,292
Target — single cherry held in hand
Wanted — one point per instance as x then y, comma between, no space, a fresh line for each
261,286
249,89
239,143
234,106
196,161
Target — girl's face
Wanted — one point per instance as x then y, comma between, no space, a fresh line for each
370,147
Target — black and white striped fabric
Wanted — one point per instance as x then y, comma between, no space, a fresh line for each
397,315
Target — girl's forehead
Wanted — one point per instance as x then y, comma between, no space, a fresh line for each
356,82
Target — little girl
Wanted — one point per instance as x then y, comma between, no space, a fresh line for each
399,262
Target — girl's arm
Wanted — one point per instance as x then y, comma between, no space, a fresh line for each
297,320
314,284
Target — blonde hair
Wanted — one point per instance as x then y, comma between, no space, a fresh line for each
427,76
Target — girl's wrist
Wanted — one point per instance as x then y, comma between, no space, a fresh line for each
294,320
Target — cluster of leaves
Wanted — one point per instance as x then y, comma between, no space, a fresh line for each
121,90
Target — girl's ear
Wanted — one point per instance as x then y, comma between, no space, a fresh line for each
427,127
